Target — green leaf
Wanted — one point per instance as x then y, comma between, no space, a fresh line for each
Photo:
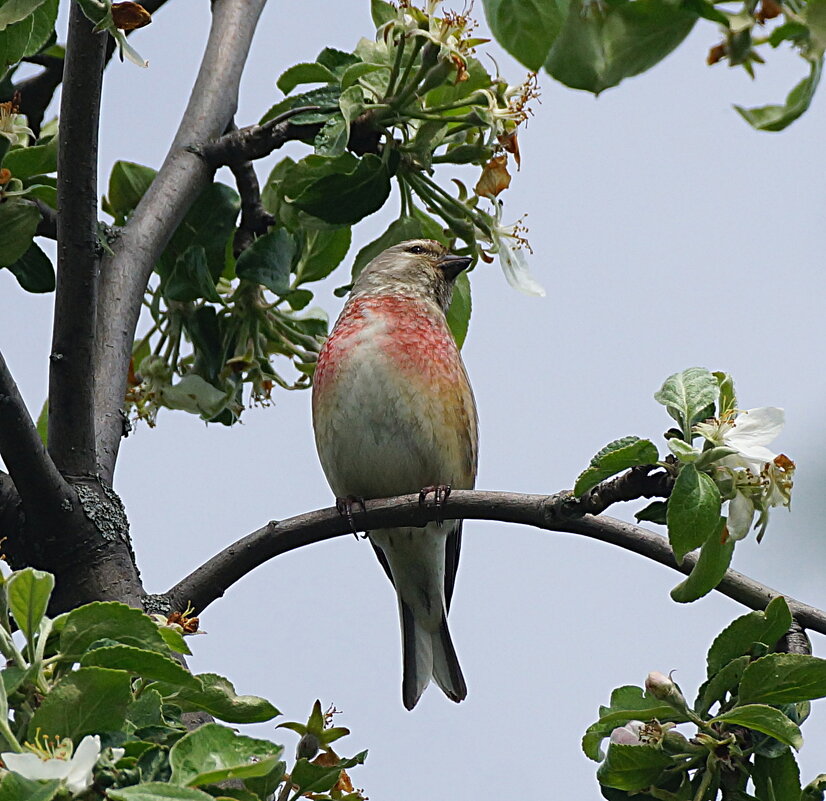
26,162
128,183
356,71
219,699
208,224
332,138
723,681
655,512
600,44
18,223
615,457
157,791
337,61
111,620
34,270
712,563
345,198
765,719
146,710
728,397
627,703
783,679
29,591
526,29
311,778
268,261
15,787
458,314
815,789
382,12
776,118
143,663
777,778
738,638
687,394
633,767
88,701
190,278
398,231
693,511
195,395
214,753
174,639
12,11
325,97
304,73
321,252
29,35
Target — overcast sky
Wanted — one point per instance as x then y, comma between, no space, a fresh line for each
668,234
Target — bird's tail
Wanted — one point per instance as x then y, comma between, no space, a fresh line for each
425,654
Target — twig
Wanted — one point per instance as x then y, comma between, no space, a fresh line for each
47,226
550,512
71,378
34,474
255,219
180,180
257,141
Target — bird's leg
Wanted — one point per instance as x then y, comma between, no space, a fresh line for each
344,506
441,492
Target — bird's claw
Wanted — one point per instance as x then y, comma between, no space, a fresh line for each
344,506
441,492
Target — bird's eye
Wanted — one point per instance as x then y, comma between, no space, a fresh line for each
417,249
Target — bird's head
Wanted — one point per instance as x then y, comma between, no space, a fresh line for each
419,268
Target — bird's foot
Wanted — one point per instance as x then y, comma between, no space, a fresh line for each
344,506
441,492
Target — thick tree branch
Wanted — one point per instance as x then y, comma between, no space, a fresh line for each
34,474
180,180
71,377
550,512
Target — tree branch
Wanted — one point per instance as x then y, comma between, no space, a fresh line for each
255,219
71,379
35,477
257,141
549,512
181,179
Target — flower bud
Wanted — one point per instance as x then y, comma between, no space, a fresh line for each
664,689
307,746
629,734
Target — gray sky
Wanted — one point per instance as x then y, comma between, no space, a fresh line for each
668,234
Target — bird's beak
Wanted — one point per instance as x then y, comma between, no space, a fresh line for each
451,265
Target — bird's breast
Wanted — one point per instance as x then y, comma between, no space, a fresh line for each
392,407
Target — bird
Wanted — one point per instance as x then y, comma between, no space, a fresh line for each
393,414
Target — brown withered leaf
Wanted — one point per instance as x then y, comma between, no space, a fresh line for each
5,175
717,53
510,142
495,177
128,15
769,9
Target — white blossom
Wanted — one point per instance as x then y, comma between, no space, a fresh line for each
72,767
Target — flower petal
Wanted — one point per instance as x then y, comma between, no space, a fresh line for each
740,515
515,267
84,759
33,767
755,428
